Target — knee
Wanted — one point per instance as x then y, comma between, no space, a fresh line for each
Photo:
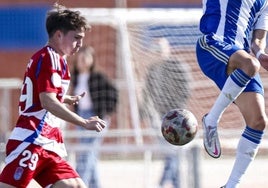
251,66
260,123
72,182
265,122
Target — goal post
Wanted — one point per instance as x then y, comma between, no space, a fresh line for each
137,32
135,27
140,36
7,88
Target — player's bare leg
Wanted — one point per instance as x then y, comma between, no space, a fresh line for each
252,108
4,185
241,68
70,183
66,183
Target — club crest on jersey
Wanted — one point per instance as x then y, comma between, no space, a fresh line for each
18,173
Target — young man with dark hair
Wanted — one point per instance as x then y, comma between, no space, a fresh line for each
35,149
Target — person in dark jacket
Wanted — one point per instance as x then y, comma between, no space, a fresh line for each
167,86
99,98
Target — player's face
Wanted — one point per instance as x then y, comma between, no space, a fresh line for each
71,42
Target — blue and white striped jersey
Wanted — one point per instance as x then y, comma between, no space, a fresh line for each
232,21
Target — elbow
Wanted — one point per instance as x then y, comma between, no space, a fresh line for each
47,102
46,105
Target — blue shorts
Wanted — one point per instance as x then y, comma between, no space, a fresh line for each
213,57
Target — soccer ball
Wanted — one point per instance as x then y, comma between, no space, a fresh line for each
179,126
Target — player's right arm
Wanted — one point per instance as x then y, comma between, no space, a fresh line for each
258,41
258,46
50,102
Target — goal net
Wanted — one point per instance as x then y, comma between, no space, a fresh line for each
155,65
150,56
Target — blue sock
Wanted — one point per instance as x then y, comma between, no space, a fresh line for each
246,151
240,77
252,135
233,87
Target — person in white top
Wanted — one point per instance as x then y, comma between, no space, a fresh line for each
100,99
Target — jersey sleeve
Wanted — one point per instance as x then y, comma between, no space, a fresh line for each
262,22
48,79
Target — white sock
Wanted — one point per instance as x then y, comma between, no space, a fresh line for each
232,88
246,152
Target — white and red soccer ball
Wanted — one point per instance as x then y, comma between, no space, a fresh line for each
179,126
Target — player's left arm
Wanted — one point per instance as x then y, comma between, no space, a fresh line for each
50,102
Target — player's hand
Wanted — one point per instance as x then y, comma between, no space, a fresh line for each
73,100
263,58
95,123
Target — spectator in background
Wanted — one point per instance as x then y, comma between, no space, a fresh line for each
166,88
100,99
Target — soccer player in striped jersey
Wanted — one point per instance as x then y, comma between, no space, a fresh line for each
35,149
229,56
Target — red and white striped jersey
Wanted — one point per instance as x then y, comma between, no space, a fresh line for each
47,71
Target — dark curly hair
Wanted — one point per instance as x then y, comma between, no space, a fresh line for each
63,19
